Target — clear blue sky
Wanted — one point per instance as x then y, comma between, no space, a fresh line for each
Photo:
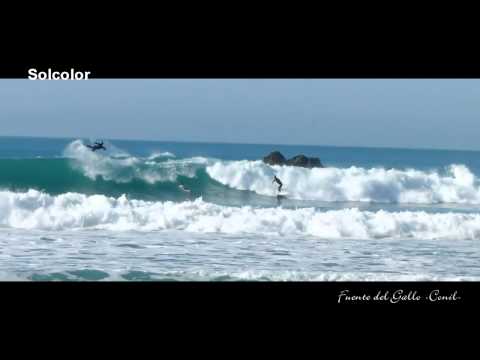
390,112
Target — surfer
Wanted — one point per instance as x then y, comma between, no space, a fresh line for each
96,146
181,186
277,180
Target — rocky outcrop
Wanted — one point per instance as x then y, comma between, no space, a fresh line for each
276,158
303,161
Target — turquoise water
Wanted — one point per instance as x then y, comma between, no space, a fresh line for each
29,148
197,211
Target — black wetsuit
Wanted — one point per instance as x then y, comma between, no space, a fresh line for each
277,180
97,146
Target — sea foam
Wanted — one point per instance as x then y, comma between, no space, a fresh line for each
121,167
457,185
38,210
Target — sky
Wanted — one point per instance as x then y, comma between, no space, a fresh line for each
405,113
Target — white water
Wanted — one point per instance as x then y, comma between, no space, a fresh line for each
79,237
457,185
159,155
179,255
37,210
119,166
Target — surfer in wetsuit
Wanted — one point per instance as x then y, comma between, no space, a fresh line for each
96,146
277,180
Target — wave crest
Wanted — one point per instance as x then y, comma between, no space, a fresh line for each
38,210
119,166
457,185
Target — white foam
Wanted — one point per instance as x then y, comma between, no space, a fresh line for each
157,155
259,275
457,185
38,210
119,166
262,275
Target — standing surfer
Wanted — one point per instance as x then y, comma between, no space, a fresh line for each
277,180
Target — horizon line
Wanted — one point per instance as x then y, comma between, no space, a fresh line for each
241,143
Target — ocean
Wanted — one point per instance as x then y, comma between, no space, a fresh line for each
171,211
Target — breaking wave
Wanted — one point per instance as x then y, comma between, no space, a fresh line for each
456,185
38,210
161,176
119,166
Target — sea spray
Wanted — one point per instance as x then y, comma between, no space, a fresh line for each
353,184
158,176
37,210
121,167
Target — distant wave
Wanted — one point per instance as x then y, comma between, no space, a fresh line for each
159,155
457,185
38,210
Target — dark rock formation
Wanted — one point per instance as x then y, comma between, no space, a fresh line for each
303,161
276,158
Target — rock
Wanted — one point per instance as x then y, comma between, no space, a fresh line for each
275,158
315,162
303,161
